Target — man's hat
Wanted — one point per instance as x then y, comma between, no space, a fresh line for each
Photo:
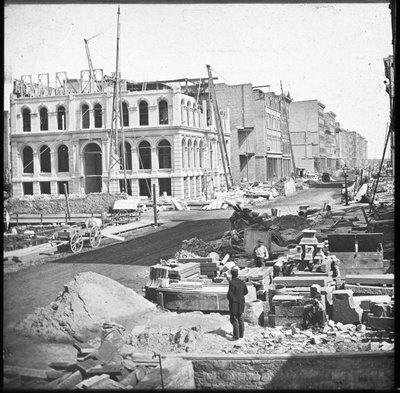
260,241
235,268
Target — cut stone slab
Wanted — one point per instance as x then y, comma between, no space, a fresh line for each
345,310
275,320
370,279
301,281
291,311
367,302
386,323
382,310
370,290
286,300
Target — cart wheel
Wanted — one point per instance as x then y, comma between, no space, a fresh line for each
95,237
76,242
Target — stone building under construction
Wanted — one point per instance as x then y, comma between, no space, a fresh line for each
60,137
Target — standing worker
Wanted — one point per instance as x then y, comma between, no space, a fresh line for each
260,254
236,293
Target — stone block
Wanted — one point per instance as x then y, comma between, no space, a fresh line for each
71,381
275,320
345,310
370,290
382,310
386,323
285,300
293,281
254,312
367,302
370,279
291,311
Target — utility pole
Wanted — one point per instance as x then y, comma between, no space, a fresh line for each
220,133
114,157
290,139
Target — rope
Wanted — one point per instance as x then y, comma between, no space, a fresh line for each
229,83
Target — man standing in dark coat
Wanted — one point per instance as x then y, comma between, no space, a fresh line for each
236,293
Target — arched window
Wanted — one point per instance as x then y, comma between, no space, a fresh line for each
211,156
98,116
183,112
44,119
26,119
187,113
63,159
195,152
201,154
85,116
45,160
144,155
125,114
143,113
128,156
27,160
183,154
189,154
61,118
194,115
163,112
164,154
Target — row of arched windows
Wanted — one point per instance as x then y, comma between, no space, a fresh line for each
98,116
45,159
144,155
44,119
185,113
193,154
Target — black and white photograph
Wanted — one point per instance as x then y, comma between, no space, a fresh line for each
199,195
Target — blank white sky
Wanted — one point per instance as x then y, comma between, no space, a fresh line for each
330,52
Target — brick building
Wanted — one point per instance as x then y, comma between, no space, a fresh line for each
259,148
61,135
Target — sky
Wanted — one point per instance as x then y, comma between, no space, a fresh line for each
330,52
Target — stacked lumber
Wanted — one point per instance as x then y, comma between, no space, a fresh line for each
102,368
156,273
208,266
184,270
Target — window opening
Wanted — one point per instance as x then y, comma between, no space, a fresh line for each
143,113
128,184
60,186
63,159
44,119
189,154
128,156
27,160
183,154
26,119
144,155
163,112
45,160
164,154
45,187
187,112
61,118
145,187
164,185
27,187
125,114
98,116
85,116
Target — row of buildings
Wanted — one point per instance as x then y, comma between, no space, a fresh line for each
59,137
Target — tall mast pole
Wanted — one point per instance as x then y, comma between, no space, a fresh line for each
287,124
221,139
114,154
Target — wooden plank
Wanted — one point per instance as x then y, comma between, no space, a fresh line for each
292,281
114,237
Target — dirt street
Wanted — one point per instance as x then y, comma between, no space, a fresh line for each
127,263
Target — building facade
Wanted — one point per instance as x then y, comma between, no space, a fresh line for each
319,142
60,137
307,130
259,141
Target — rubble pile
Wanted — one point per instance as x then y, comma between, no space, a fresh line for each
56,204
79,310
197,247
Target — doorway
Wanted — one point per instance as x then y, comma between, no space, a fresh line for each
92,168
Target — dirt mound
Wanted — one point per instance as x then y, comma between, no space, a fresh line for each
79,311
198,247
